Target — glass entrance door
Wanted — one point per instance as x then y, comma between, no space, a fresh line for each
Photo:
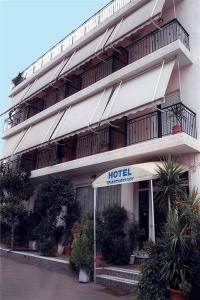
144,212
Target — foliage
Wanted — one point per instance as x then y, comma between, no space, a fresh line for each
15,190
115,248
87,227
151,285
170,183
135,235
175,262
181,237
55,197
46,247
81,255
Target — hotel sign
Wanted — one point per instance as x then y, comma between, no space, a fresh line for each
119,176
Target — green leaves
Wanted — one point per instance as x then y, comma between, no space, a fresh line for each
170,183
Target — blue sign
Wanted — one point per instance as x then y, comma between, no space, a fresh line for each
120,175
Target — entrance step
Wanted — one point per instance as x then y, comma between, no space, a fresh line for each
119,278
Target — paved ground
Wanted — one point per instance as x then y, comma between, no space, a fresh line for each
25,282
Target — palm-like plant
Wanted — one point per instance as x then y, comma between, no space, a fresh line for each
170,183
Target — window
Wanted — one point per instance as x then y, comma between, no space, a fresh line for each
106,197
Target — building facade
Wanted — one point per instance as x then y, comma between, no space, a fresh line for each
121,89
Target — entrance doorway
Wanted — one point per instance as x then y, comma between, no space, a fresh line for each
144,208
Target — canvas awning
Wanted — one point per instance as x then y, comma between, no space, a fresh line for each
38,84
39,133
139,92
88,51
137,20
128,174
11,143
80,116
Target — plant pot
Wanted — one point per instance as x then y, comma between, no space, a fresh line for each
68,250
177,295
83,276
132,259
176,129
104,148
32,245
60,249
99,260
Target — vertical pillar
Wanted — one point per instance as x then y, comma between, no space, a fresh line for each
152,212
95,251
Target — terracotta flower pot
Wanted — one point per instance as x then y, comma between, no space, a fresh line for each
104,148
176,129
177,295
68,250
99,260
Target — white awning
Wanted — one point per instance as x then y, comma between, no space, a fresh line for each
80,116
137,20
39,133
128,174
46,78
87,52
16,99
136,93
11,143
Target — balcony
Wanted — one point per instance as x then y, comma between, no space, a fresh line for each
152,42
122,133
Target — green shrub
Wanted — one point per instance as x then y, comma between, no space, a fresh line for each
151,285
81,255
46,247
114,245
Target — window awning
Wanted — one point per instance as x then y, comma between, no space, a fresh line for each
128,174
36,85
87,52
16,99
136,93
39,133
80,116
11,143
137,20
46,78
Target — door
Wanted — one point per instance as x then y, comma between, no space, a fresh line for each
144,212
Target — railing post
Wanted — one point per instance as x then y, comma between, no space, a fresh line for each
159,121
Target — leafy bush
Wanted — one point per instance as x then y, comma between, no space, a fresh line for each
81,255
151,285
115,247
46,247
135,235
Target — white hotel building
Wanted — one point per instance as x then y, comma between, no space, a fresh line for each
121,89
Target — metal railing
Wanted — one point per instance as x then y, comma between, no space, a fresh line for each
98,18
172,119
155,40
157,124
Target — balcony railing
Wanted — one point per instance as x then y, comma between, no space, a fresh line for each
157,124
155,40
102,15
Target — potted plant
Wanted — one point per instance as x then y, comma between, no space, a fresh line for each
104,146
135,237
81,256
177,270
178,116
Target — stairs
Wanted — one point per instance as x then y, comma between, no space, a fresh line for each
124,279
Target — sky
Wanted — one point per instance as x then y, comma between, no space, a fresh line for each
28,28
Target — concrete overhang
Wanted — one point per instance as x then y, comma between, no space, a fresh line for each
171,51
176,144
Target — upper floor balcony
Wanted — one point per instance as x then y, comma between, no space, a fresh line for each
119,134
114,60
